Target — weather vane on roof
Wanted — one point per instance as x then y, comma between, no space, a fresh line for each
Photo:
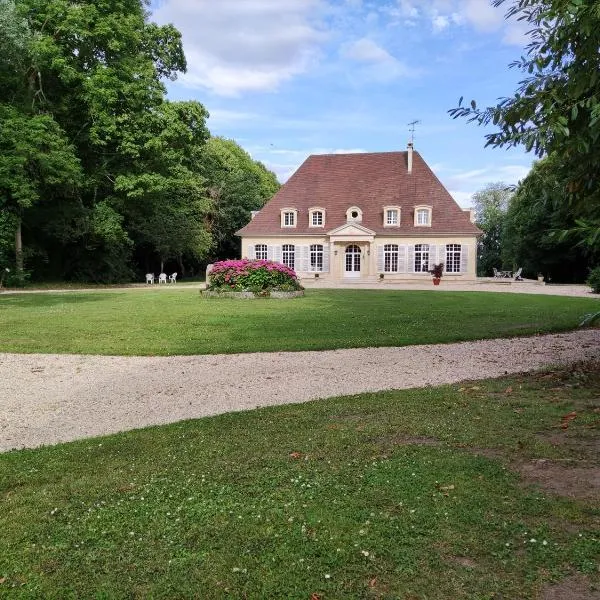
412,126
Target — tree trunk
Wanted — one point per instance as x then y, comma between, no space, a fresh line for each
19,248
181,267
162,264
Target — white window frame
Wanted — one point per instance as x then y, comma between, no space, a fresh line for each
420,210
289,217
288,256
421,259
387,212
453,258
316,252
263,251
313,215
391,258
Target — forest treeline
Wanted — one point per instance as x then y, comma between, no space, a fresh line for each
101,177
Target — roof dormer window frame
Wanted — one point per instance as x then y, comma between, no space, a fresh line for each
313,217
289,218
423,215
388,219
354,214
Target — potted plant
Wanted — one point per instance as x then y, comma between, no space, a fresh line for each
437,271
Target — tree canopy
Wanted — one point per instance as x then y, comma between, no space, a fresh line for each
491,204
102,174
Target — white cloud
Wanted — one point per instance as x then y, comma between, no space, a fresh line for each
234,46
440,22
380,65
365,50
463,184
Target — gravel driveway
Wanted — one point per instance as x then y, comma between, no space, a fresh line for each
47,398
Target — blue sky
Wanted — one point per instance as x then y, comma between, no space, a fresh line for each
289,78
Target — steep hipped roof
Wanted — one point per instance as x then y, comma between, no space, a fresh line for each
369,181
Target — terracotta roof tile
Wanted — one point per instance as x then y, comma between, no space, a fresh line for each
369,181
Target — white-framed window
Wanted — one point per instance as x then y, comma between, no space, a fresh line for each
354,214
422,216
289,217
260,251
391,216
390,258
421,258
316,217
316,257
288,255
453,258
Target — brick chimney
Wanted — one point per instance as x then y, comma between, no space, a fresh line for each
410,157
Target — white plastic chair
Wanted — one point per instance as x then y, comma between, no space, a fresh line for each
173,278
162,278
518,274
149,277
497,273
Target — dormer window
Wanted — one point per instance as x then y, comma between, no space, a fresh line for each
422,216
316,217
289,217
391,216
354,214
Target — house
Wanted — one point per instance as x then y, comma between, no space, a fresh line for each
364,217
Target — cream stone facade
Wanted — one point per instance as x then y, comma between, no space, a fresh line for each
331,222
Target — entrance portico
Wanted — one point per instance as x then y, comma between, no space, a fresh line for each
351,251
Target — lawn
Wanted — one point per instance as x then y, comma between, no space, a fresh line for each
178,321
410,494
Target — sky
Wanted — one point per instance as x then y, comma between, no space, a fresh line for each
290,78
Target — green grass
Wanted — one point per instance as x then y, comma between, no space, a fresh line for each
373,496
179,321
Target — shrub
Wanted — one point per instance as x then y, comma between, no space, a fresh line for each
252,275
594,280
437,270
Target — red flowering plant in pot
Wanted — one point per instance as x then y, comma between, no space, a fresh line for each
437,271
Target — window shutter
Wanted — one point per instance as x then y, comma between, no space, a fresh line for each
433,255
411,259
402,259
380,261
270,252
277,253
302,258
464,258
251,252
441,257
326,259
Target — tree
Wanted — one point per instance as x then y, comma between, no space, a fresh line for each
36,160
536,211
556,107
237,185
491,204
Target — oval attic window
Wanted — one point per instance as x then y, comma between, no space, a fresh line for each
354,214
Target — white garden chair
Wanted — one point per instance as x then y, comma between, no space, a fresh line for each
518,274
162,278
497,273
149,277
173,278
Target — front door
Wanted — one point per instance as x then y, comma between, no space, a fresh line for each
352,261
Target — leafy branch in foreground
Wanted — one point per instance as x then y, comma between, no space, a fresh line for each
556,107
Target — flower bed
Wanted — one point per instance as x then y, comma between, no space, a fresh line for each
261,278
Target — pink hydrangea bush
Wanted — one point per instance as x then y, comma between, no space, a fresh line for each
252,275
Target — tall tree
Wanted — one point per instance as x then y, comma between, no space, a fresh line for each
237,185
536,212
556,107
36,160
491,204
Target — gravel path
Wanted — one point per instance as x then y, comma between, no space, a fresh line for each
46,399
